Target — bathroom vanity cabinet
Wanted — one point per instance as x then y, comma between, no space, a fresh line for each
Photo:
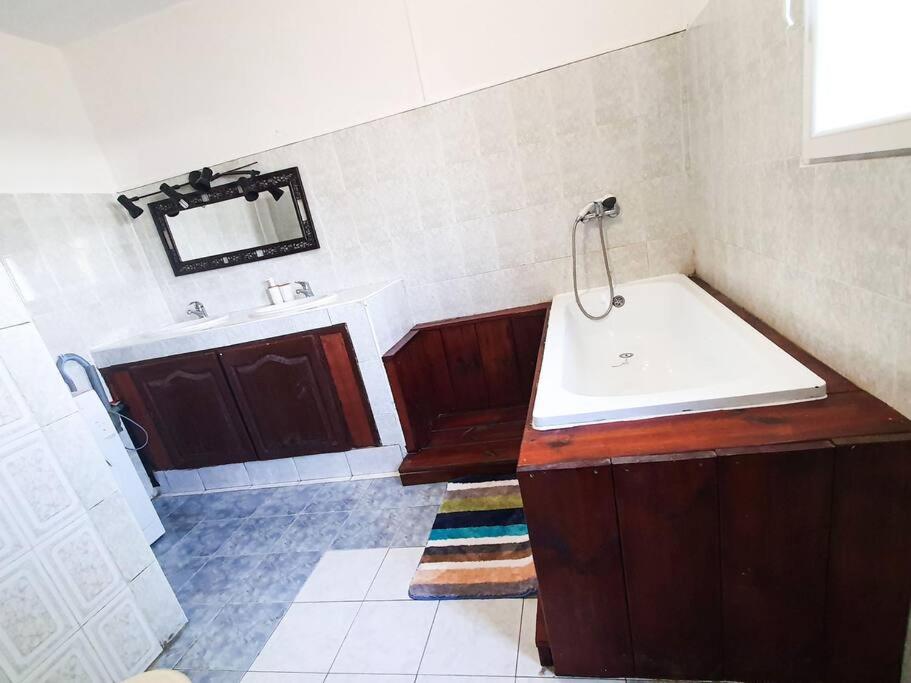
287,396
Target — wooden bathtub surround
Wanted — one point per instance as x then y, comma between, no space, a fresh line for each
462,388
276,398
760,544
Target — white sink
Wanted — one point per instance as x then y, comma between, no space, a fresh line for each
185,327
295,306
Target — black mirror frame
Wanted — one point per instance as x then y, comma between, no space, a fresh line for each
288,179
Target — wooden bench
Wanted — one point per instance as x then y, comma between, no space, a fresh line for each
462,389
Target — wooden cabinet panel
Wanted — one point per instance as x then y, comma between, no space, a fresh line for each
194,412
123,388
668,514
775,505
286,394
431,364
466,371
527,331
350,389
498,358
575,540
869,576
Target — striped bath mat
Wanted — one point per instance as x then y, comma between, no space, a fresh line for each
478,547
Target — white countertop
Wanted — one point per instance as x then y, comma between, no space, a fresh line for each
240,328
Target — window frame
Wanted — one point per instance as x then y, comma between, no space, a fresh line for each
885,137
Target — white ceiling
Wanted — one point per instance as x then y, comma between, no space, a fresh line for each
57,22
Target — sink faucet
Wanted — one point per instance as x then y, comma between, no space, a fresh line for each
196,308
304,289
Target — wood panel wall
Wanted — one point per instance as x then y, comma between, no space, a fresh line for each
668,514
774,513
869,576
483,362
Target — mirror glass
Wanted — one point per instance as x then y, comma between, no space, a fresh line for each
222,228
214,229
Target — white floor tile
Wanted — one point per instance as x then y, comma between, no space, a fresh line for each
601,680
371,678
395,574
474,638
273,677
386,638
426,678
529,664
307,638
342,575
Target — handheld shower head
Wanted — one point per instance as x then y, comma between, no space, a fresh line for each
606,206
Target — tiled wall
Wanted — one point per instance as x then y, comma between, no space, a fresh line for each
820,252
81,595
78,264
471,200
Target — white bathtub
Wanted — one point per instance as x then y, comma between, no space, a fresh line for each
689,353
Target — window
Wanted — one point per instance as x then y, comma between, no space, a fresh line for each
857,78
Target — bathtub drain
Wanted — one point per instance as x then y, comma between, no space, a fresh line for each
624,358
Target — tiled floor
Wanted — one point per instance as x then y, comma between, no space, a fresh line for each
308,584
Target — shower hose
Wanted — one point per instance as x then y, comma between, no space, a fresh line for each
610,279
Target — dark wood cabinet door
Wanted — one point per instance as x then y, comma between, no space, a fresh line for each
775,504
287,396
667,508
195,414
572,524
869,588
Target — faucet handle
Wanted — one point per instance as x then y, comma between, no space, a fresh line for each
198,309
304,288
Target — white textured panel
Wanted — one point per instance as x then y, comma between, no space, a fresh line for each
23,352
277,471
81,460
354,315
321,466
12,538
376,460
122,536
389,315
15,418
73,662
224,476
184,481
389,428
158,603
376,382
33,618
12,311
122,638
81,567
34,485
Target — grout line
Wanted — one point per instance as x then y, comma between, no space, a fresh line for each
427,641
347,633
376,573
519,642
198,637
